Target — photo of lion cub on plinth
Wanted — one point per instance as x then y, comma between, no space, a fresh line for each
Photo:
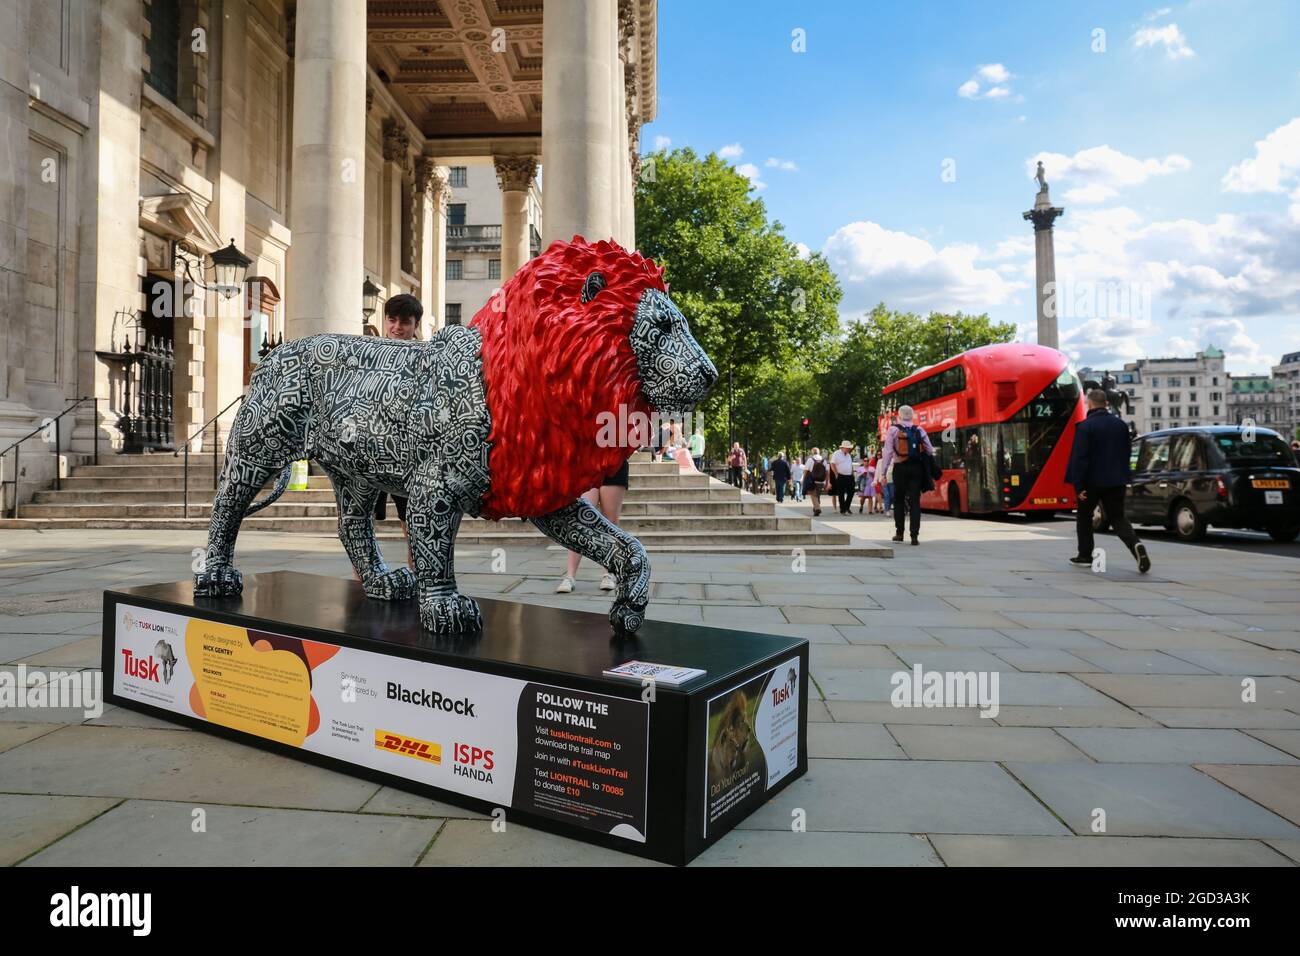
498,418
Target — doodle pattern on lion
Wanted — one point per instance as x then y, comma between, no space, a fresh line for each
500,418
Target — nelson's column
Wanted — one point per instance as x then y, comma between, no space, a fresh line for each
1043,215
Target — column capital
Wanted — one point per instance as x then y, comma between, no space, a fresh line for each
397,142
515,172
1043,216
434,181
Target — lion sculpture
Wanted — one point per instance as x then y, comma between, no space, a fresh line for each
500,418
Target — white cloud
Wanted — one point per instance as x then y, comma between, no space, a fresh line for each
1093,193
784,164
753,174
1106,342
1157,14
1229,335
1202,280
1101,171
996,76
994,73
731,151
663,142
1167,36
803,251
875,264
1275,167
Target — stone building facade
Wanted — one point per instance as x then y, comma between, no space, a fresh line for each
138,137
474,251
1261,399
1287,376
1175,392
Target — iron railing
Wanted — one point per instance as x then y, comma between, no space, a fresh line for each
44,426
216,471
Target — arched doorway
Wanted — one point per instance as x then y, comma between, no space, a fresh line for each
260,322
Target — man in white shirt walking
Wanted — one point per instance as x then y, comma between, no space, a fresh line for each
842,476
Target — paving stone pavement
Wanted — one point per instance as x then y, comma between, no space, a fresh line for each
1140,720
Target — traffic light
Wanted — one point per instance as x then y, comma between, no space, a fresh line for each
805,430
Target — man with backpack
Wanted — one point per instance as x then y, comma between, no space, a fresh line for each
816,479
908,449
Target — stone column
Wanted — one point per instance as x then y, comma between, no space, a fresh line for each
107,277
431,193
1043,215
578,136
397,145
515,177
220,332
327,211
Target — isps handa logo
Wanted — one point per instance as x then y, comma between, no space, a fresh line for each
408,746
786,691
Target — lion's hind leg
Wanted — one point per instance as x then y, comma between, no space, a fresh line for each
582,528
356,505
240,482
432,521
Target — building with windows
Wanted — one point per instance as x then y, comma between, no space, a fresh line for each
474,236
1260,399
314,139
1174,392
1287,376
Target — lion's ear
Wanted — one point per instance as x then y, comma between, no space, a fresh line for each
595,282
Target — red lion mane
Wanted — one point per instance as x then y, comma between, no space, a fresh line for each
552,365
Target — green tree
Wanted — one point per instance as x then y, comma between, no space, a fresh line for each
883,347
754,304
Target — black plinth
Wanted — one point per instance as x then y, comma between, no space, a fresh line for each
518,719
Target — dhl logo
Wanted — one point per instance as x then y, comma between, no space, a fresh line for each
408,746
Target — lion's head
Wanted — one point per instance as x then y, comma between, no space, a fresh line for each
579,333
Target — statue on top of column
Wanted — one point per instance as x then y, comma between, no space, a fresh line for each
1041,177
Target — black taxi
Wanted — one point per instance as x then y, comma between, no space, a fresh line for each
1228,476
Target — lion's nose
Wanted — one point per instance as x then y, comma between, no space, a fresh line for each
710,376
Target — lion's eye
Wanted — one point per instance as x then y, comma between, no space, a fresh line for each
664,322
595,282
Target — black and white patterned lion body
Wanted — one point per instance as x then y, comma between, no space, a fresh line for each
412,418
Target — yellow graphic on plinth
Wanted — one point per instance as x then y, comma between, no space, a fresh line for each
248,687
408,746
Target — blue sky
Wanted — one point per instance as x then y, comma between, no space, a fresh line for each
901,142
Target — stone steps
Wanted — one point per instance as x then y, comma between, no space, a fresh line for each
506,534
667,510
309,504
322,517
200,479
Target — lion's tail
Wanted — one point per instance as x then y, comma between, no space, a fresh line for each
280,485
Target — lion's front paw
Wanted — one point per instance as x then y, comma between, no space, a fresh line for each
626,619
450,614
221,581
396,585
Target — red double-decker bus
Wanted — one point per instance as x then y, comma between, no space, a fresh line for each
1001,418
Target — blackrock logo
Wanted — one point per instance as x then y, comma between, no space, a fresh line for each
434,700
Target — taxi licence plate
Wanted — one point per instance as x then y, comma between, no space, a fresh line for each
1272,497
1270,483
